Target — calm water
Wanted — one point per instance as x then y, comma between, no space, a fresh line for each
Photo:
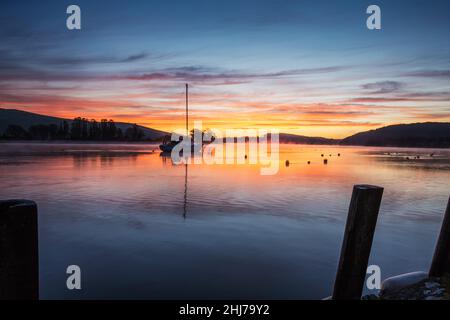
125,215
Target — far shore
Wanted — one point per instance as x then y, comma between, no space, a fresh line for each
75,142
102,142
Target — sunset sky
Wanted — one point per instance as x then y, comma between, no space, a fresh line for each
304,67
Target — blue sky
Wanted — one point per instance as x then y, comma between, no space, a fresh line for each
306,67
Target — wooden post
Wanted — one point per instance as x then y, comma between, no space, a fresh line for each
355,251
441,259
187,111
19,260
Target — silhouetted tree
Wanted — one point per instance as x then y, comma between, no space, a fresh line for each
111,130
93,130
80,129
134,133
16,132
64,130
76,129
104,129
52,131
39,132
84,128
61,134
119,134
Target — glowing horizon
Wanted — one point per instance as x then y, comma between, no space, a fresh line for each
174,123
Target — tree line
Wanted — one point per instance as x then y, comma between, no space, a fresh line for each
78,129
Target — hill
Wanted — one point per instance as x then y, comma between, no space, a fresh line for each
28,119
297,139
427,134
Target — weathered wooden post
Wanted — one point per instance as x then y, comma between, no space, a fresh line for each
19,260
441,259
355,251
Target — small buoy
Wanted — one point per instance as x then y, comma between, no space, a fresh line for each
339,154
321,155
245,156
287,163
325,161
330,154
309,162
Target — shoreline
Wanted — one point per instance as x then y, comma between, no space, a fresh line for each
100,142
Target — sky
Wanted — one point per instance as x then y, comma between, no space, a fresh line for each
303,67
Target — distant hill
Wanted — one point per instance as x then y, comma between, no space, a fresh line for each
427,134
27,119
293,138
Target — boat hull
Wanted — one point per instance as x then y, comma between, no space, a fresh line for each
169,148
166,147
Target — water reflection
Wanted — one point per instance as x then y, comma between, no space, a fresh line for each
117,211
185,190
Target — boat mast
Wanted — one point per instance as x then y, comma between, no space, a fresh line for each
187,116
186,164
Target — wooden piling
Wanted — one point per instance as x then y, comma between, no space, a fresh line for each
440,264
19,261
355,251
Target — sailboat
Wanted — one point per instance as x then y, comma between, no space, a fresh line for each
168,144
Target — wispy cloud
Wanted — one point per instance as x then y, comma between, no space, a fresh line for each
383,87
430,74
92,60
204,74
